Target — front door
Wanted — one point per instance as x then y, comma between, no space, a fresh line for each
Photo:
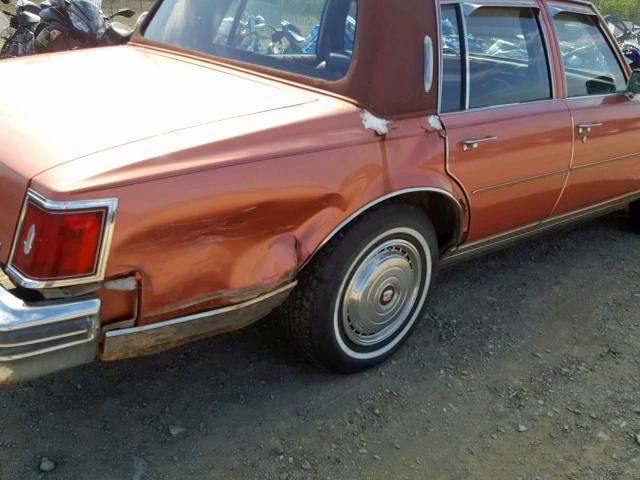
509,139
606,121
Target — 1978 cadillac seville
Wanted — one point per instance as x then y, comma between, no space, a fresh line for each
320,155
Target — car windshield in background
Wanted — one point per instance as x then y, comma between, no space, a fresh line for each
308,37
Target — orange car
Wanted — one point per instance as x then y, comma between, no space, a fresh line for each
320,155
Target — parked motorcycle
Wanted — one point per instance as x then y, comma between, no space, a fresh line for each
25,22
254,32
57,25
249,35
628,39
296,43
632,54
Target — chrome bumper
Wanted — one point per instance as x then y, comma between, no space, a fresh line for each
38,339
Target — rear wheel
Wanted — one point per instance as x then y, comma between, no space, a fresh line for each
361,297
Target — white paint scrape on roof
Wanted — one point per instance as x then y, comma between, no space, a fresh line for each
371,122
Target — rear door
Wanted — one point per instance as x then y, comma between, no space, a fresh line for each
606,121
509,138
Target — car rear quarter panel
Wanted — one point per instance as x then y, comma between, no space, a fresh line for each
221,213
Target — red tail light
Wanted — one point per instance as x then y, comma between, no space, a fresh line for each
61,242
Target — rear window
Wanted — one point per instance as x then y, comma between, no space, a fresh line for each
308,37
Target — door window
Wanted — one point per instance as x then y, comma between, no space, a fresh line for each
591,67
507,59
506,55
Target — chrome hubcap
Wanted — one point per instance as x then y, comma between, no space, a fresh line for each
382,293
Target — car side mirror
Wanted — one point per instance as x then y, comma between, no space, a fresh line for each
633,88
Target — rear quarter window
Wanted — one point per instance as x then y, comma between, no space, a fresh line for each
309,37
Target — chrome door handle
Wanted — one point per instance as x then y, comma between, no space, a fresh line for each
475,143
586,127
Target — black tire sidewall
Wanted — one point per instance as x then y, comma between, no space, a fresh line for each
634,213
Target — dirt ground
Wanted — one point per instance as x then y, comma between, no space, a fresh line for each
526,367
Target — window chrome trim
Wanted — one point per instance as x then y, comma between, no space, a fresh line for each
556,9
494,107
467,65
546,43
111,204
599,95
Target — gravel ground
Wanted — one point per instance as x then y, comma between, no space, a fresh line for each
525,367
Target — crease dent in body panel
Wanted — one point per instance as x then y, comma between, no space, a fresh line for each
371,122
220,299
264,267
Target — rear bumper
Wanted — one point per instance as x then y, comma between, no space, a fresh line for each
38,339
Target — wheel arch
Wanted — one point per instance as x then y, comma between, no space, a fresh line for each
442,207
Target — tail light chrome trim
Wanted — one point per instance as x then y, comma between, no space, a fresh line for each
111,205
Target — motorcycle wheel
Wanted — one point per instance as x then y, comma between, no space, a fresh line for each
10,47
19,44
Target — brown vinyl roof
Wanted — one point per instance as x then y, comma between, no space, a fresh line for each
387,74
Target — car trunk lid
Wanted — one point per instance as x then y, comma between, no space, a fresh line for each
71,105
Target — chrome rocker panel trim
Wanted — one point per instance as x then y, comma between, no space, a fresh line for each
38,339
156,337
496,242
